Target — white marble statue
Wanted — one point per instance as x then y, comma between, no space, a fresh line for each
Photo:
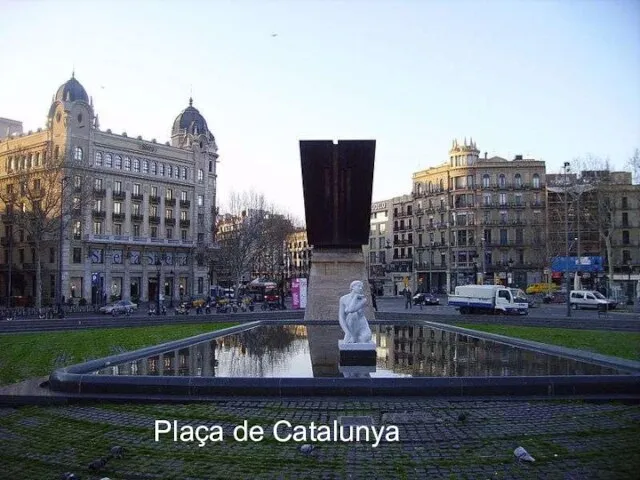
351,315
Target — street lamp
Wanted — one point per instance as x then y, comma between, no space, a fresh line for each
420,249
509,273
566,212
63,184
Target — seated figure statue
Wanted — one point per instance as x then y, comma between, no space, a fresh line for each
351,315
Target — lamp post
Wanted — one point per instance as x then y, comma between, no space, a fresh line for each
387,258
566,213
484,259
63,184
420,249
509,272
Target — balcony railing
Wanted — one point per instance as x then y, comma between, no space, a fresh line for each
185,203
118,217
154,199
170,202
137,196
99,214
99,192
119,195
155,220
137,217
170,222
185,223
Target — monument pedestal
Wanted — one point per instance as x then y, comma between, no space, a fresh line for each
357,354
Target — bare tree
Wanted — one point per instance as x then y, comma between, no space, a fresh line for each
251,233
634,164
36,199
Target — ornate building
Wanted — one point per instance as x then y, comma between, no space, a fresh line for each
143,232
473,216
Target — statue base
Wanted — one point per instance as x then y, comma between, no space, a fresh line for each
357,354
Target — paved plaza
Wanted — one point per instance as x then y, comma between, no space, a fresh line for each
472,439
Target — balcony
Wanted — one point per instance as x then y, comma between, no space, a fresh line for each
99,192
98,214
170,222
170,202
118,217
137,217
137,196
154,220
185,203
154,200
185,223
538,204
119,195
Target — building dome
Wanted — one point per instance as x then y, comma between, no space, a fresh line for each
190,121
72,91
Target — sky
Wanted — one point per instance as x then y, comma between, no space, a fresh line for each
552,80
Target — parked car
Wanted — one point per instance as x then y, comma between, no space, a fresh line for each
590,299
425,299
119,307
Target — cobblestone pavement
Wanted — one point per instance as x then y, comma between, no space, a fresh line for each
473,439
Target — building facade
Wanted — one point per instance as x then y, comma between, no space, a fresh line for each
9,128
378,252
143,233
478,219
297,254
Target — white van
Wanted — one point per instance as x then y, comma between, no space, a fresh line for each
590,299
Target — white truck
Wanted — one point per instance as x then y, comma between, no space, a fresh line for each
494,299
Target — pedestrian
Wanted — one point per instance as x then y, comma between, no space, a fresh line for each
373,300
407,298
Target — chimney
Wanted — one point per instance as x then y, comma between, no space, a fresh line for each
485,155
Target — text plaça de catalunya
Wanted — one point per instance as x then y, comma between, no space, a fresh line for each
282,431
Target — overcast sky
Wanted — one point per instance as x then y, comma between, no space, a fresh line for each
550,80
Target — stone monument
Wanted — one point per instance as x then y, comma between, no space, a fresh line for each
356,348
337,182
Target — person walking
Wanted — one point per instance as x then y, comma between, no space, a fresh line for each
407,298
373,300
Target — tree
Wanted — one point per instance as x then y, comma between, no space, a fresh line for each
37,201
634,164
251,234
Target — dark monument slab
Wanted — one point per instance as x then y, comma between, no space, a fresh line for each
337,181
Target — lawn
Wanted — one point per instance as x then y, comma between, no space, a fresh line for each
617,344
36,354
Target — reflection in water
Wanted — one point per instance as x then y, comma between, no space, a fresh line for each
402,351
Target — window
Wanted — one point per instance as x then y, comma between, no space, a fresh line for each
176,172
21,255
37,184
97,184
98,159
486,179
154,232
117,229
135,209
184,173
77,230
169,194
517,179
502,181
200,285
503,199
518,199
127,163
184,215
136,164
162,170
77,181
183,196
519,235
97,205
625,237
486,199
36,159
154,191
136,189
118,162
201,219
625,203
52,255
169,170
183,235
210,166
200,200
108,160
145,166
201,238
117,208
536,181
136,230
625,219
117,186
169,232
504,236
153,211
503,217
200,176
154,168
97,228
626,257
77,153
168,213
